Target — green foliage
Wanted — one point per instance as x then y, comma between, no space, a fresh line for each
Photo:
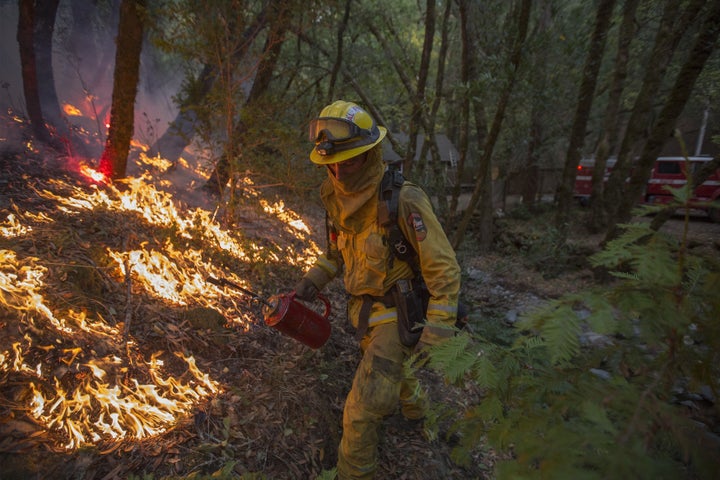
327,474
597,383
541,245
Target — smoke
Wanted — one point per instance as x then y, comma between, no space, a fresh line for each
83,56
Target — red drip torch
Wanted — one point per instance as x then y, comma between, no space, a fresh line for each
288,315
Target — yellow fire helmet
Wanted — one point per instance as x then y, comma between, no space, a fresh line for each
342,131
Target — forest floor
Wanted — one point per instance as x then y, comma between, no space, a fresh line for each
278,409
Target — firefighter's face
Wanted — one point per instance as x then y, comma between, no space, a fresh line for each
343,170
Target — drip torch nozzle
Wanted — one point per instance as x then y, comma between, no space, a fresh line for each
221,282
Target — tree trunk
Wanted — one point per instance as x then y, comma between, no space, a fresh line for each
582,113
690,71
222,172
531,177
598,221
182,128
531,180
483,185
672,26
438,167
44,27
26,23
418,103
338,52
113,163
466,73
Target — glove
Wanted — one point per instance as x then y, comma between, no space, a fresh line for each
306,290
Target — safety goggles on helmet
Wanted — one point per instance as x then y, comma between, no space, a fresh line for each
337,130
343,130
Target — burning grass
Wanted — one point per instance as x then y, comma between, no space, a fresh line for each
84,269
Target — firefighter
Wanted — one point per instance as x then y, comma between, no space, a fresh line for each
348,143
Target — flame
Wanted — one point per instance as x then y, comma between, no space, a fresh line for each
102,410
70,391
159,163
289,217
71,110
93,174
10,228
140,145
93,410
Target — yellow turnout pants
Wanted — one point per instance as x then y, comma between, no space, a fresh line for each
380,384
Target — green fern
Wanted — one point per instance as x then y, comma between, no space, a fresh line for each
453,358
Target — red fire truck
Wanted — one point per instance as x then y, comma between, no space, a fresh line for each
667,172
583,179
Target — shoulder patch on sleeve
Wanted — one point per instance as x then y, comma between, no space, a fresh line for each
415,220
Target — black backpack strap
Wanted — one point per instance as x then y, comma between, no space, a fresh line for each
388,206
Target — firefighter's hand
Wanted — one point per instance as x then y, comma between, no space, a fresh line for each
306,290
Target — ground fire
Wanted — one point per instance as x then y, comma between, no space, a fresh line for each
79,372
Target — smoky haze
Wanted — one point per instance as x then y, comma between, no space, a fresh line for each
83,55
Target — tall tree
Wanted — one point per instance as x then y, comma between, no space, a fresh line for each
674,23
278,18
342,26
703,47
25,38
113,163
483,184
45,14
418,102
610,129
531,180
182,128
467,39
582,112
436,165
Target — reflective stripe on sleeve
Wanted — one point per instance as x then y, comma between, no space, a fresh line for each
442,310
381,316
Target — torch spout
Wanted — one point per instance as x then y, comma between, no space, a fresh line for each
222,282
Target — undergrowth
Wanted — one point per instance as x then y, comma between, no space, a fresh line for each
605,383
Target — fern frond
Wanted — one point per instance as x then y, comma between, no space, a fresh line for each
626,276
550,415
453,358
617,251
561,334
656,265
603,318
597,415
485,373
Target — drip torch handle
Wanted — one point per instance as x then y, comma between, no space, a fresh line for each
327,305
320,296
